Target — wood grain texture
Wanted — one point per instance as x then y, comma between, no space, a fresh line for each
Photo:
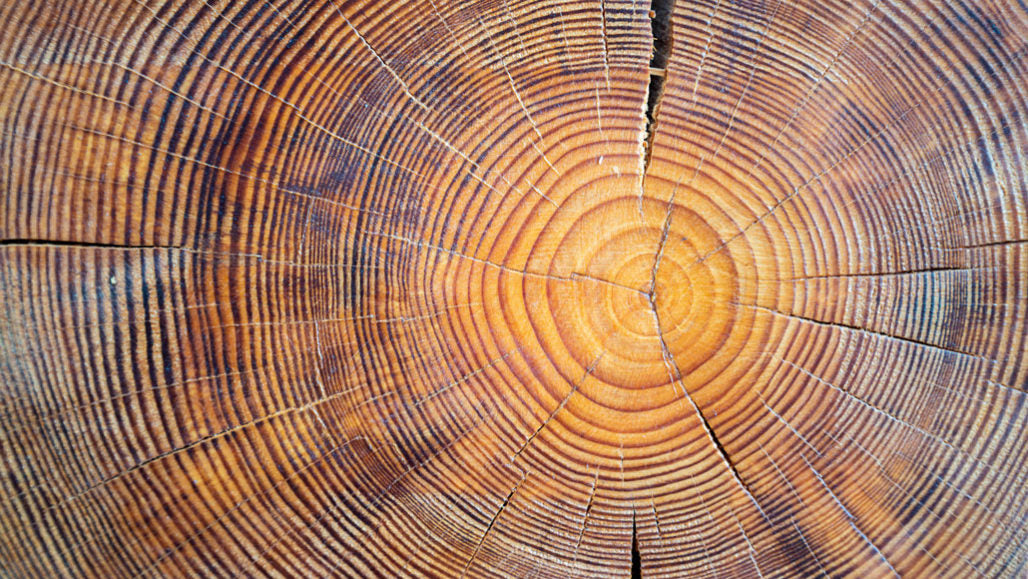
713,288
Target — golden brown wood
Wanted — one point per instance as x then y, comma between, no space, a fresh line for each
556,288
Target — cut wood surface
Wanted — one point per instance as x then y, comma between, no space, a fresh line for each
553,288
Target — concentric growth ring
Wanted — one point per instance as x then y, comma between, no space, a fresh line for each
514,288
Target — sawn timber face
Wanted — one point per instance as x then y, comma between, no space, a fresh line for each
550,288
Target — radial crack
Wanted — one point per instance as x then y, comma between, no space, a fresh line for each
492,522
606,46
895,273
81,244
588,510
675,374
560,407
660,25
636,556
573,276
870,332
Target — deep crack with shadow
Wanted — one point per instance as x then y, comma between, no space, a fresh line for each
636,557
661,26
661,23
27,242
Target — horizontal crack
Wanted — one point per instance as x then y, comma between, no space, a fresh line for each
890,273
573,276
26,242
993,244
869,332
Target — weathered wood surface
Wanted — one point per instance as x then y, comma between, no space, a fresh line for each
513,287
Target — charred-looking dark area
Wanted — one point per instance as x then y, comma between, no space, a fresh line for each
660,24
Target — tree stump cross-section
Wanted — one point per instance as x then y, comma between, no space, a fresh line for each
518,288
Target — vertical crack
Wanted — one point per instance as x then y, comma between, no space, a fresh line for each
636,557
660,25
606,47
675,375
674,371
